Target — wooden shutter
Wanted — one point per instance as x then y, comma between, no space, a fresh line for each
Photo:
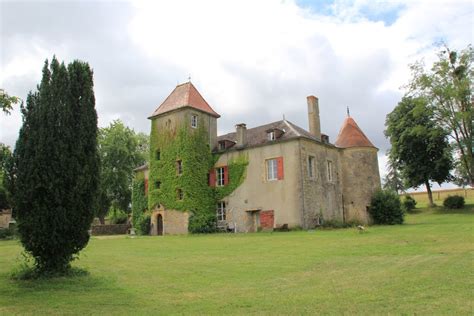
226,175
280,168
146,186
212,177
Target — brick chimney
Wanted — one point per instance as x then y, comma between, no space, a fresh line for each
241,130
313,117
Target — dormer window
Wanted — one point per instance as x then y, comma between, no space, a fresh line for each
194,121
225,144
274,133
221,145
271,135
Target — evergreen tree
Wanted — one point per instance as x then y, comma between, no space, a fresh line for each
57,166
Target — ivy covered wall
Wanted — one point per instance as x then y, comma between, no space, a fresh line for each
191,148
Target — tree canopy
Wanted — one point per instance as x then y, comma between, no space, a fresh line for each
7,101
57,166
121,150
447,87
419,146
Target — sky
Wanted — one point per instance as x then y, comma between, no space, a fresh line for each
253,61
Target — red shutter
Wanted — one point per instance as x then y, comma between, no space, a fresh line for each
226,175
146,186
212,177
280,168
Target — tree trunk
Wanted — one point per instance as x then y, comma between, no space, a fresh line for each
430,194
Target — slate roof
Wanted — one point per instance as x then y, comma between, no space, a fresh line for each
258,135
184,95
351,135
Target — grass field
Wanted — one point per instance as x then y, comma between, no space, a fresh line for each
424,267
440,195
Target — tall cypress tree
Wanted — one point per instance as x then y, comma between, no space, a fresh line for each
57,166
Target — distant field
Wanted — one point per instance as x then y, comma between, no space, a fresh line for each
440,195
421,268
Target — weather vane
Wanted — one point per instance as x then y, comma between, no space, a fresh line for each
189,78
348,113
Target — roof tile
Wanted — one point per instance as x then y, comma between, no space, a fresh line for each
351,135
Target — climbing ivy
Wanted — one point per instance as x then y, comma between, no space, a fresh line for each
139,199
236,167
190,146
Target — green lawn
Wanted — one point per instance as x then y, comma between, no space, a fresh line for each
422,267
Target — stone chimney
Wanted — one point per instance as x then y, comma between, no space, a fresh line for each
241,130
313,117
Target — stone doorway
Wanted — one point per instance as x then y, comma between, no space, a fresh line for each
159,225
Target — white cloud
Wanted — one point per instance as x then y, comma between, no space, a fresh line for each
252,60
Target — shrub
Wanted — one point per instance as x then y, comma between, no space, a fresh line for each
7,233
385,208
454,202
408,203
202,223
144,224
117,216
334,223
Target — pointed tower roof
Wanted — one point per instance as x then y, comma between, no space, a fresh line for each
184,95
351,135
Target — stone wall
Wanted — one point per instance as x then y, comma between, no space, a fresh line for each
174,222
5,217
117,229
361,179
322,195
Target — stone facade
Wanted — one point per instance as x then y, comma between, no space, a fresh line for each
317,181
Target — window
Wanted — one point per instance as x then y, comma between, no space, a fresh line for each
271,135
330,170
220,177
272,169
157,184
311,166
179,167
158,155
221,145
179,194
194,121
221,208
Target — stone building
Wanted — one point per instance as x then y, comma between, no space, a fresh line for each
294,177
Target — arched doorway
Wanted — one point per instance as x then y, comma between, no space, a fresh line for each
159,225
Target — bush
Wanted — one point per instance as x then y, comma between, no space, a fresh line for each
202,223
7,233
144,224
408,203
454,202
334,223
385,208
117,216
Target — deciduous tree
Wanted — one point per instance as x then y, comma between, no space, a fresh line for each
419,146
447,87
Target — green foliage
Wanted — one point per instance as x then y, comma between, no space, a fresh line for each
192,149
393,180
190,146
7,233
139,199
447,87
454,202
57,166
334,223
419,147
408,203
7,101
121,150
144,224
385,208
237,168
5,162
117,216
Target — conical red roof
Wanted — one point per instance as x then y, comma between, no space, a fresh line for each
182,96
351,135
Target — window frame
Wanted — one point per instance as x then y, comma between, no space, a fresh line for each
271,136
194,121
179,167
179,194
220,177
274,169
221,210
330,171
311,167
